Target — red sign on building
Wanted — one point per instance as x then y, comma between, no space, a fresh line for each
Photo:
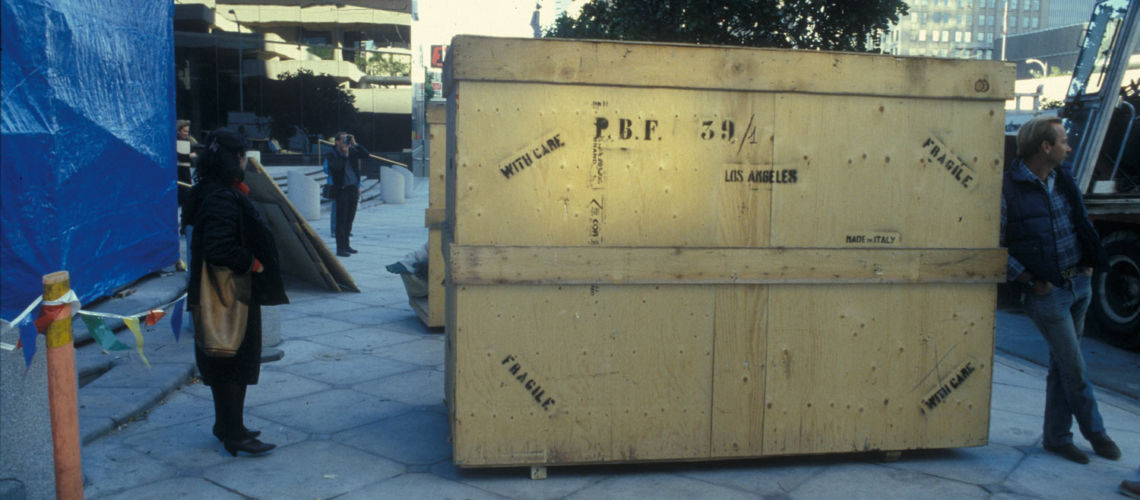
437,54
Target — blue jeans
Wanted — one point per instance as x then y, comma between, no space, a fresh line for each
1060,316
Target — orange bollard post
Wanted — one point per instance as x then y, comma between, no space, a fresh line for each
63,395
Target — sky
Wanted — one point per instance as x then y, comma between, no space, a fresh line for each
439,20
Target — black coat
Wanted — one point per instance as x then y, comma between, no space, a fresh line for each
229,231
337,164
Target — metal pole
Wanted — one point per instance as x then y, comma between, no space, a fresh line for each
1004,28
241,79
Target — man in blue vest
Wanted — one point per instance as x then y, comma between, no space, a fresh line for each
1052,251
343,167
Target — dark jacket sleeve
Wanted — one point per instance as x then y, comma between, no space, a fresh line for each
358,152
221,222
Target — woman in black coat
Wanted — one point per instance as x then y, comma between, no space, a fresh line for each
228,231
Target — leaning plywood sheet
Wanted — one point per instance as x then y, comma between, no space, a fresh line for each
769,253
302,252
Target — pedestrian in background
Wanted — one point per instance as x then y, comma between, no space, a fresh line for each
186,157
343,165
229,232
1052,251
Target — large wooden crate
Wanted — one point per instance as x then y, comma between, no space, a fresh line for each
667,252
431,308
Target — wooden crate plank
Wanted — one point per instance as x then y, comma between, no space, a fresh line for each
738,378
476,58
595,265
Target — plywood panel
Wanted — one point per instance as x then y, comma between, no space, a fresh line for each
849,367
872,172
602,374
613,167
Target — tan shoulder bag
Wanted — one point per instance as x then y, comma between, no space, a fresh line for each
222,311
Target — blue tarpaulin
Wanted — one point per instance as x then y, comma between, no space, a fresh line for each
88,175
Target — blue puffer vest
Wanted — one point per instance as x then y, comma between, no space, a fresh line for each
1029,229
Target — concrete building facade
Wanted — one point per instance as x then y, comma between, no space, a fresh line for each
225,51
975,29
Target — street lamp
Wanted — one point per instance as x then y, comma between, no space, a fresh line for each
241,79
1044,66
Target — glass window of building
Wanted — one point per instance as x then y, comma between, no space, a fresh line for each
990,20
981,20
922,18
922,35
968,33
1035,23
945,36
934,36
1013,4
958,36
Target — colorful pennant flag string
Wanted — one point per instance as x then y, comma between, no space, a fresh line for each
102,334
68,304
133,324
28,340
176,317
18,323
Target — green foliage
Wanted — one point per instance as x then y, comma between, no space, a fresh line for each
315,103
803,24
429,92
380,64
323,52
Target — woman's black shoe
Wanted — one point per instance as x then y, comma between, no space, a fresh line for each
250,445
248,433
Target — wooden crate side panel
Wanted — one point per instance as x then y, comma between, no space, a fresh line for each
854,367
577,374
612,167
436,272
725,68
437,161
876,172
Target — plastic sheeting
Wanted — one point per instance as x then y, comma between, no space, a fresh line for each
87,183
